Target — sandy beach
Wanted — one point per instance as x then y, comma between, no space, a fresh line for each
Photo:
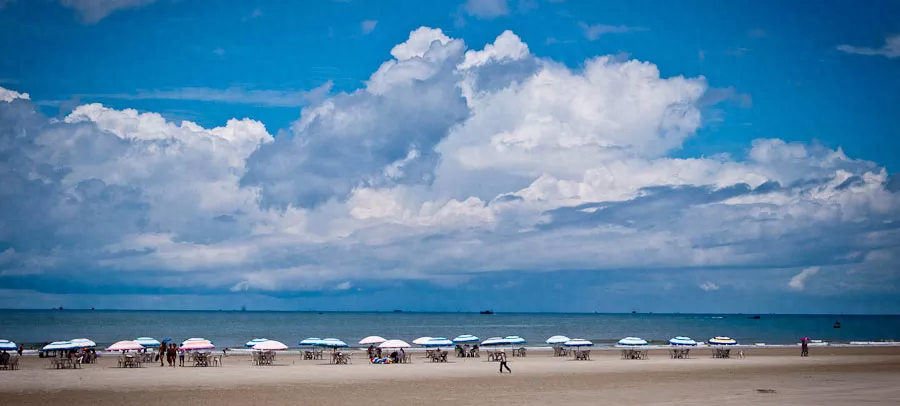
831,376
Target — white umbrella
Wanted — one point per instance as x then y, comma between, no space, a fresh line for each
253,342
465,338
421,340
438,342
394,344
557,340
720,340
332,343
493,341
270,345
310,341
126,345
6,345
682,340
147,341
372,340
193,340
578,342
632,341
83,343
59,346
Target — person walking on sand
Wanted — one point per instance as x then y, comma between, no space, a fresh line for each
804,347
20,349
503,362
162,355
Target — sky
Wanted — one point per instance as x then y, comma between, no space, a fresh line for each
514,155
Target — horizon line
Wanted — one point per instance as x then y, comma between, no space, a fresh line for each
444,312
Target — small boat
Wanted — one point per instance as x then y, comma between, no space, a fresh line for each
837,324
487,312
754,317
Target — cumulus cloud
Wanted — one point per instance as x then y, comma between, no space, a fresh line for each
8,95
890,49
92,11
450,163
798,282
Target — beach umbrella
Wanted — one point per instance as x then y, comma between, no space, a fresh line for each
578,342
493,341
557,340
514,340
394,344
465,338
83,343
270,345
6,345
438,342
198,345
251,343
148,341
59,346
372,340
421,340
332,343
682,340
721,340
632,341
167,339
193,340
126,345
310,341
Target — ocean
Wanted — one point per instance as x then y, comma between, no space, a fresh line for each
233,329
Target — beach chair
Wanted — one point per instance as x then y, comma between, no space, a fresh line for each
13,363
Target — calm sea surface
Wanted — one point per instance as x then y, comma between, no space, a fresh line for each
232,329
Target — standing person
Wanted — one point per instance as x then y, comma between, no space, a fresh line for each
804,347
181,357
503,362
170,355
162,355
20,349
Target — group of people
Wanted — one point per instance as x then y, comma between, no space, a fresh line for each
170,351
375,356
464,350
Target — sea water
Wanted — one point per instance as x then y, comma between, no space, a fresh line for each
233,328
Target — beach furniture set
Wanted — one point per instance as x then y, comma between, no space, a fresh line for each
10,364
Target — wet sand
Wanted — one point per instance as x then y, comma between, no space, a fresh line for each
830,376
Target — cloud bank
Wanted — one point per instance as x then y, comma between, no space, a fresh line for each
452,164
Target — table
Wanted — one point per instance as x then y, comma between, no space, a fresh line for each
680,353
721,352
631,353
583,355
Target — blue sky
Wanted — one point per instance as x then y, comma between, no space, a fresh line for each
520,155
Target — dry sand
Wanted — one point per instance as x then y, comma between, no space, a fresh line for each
831,376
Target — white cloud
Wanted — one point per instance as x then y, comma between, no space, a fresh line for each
890,49
486,8
709,286
595,31
7,95
451,162
798,281
368,26
92,11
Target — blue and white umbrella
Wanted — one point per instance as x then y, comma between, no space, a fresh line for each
513,340
6,345
632,341
332,343
578,342
493,341
556,340
465,338
438,342
147,341
193,340
310,341
681,340
720,340
59,346
253,342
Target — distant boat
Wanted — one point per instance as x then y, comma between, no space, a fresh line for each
634,312
837,324
398,311
487,312
754,317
